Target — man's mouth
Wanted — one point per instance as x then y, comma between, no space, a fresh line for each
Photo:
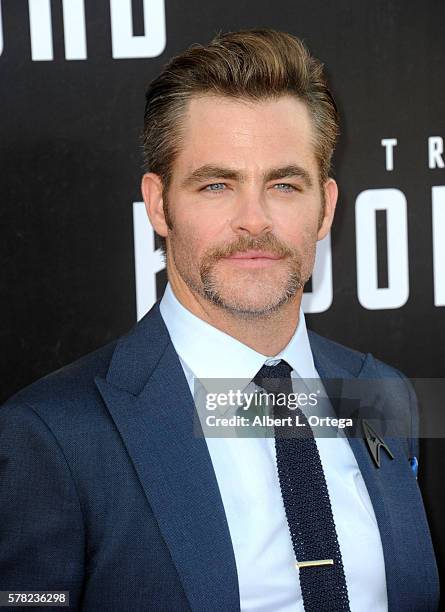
253,259
255,255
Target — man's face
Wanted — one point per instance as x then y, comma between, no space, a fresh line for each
245,203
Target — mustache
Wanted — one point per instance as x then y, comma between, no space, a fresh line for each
268,242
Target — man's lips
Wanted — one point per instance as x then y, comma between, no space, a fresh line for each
253,259
254,255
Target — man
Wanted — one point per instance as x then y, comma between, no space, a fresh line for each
105,489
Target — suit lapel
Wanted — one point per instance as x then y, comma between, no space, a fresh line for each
149,400
392,489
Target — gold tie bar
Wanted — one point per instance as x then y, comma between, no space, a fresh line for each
315,563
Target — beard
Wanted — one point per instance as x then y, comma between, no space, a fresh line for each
246,293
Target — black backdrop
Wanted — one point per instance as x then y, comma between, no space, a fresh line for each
71,167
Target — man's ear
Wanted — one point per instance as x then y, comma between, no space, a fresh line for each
330,190
152,191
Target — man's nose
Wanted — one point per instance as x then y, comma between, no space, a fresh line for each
251,214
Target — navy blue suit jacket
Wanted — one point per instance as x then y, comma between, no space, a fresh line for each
106,492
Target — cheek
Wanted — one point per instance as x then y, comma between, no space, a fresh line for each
297,235
197,229
190,238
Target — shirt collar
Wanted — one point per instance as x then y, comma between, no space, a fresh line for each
211,353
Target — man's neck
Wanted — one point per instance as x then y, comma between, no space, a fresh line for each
267,334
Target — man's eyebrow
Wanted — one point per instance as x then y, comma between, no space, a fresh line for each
292,171
209,171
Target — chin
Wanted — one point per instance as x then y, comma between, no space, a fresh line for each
250,310
250,300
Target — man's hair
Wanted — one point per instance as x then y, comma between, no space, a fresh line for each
252,65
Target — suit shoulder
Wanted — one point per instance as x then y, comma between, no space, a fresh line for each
352,359
70,384
348,358
70,396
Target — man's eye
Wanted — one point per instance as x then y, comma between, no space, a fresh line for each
214,187
284,187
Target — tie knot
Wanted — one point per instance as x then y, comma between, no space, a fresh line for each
281,370
274,378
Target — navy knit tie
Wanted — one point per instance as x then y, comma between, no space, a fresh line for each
307,504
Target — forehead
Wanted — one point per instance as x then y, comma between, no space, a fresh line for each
251,136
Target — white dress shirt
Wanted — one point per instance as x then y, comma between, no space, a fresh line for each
247,477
